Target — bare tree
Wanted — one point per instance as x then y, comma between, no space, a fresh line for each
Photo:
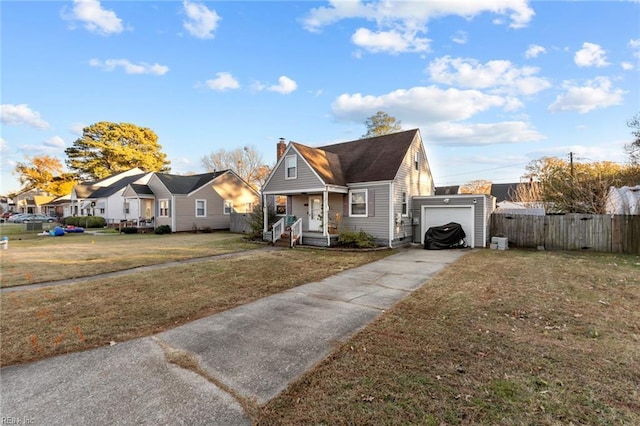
246,162
633,148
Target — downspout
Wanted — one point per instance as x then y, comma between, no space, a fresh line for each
391,216
173,216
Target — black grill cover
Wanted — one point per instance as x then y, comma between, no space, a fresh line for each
446,236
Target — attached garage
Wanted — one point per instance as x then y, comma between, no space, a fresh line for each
470,211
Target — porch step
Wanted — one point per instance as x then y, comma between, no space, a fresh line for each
283,242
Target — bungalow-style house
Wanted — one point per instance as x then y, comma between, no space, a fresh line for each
32,201
192,202
365,184
105,197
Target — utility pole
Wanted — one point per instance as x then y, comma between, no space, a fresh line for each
572,182
571,163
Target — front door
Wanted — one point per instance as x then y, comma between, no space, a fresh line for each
315,213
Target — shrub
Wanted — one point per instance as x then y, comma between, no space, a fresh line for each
85,221
129,230
162,229
356,239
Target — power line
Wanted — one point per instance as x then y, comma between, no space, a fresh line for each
485,170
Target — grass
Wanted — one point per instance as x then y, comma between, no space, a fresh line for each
34,260
61,319
498,338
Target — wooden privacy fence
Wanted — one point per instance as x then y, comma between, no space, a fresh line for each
571,231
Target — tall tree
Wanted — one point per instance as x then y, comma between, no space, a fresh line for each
571,186
246,162
44,172
633,148
380,124
107,148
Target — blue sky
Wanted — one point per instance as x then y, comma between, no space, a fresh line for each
492,84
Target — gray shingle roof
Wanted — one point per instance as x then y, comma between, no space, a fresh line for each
178,184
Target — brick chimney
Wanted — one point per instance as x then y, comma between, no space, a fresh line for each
280,148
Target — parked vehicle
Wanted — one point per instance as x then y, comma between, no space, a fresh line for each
31,218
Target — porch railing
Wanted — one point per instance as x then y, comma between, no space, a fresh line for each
277,230
296,230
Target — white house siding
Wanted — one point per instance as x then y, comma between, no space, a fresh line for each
376,225
306,179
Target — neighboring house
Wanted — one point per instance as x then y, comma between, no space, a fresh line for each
7,204
32,201
624,200
365,184
507,201
192,202
105,197
448,190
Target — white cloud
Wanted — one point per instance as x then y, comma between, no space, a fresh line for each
475,134
398,23
201,22
534,50
95,18
3,145
595,94
129,67
55,142
15,115
500,75
222,82
414,15
418,104
392,41
634,43
591,55
460,37
627,66
285,86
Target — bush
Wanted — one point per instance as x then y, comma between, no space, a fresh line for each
162,229
129,230
356,239
85,221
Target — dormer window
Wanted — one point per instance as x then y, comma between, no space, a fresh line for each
291,167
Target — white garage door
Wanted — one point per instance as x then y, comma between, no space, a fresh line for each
441,215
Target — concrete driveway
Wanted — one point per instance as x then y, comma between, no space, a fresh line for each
218,369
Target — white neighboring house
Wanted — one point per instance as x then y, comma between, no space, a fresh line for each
105,197
624,200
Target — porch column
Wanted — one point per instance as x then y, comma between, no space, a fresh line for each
265,215
325,216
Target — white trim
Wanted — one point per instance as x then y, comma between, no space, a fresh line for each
286,167
391,215
204,207
366,200
225,204
367,184
470,235
160,200
295,191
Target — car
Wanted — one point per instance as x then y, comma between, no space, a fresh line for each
18,217
38,218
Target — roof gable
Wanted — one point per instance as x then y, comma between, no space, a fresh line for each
361,160
179,184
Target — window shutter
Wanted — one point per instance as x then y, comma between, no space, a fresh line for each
345,205
371,203
169,205
289,204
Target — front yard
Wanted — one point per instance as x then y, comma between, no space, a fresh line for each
498,338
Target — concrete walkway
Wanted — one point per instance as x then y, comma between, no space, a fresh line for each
218,369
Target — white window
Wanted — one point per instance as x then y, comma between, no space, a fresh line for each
416,160
228,206
248,207
163,208
291,167
125,207
405,204
281,205
358,203
201,208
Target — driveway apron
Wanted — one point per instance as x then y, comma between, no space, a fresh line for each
214,370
